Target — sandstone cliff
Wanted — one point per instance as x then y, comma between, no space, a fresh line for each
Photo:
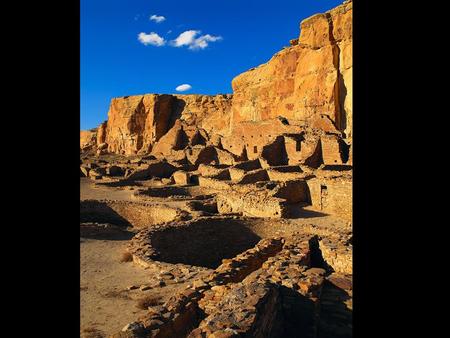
87,138
313,76
101,133
135,123
307,85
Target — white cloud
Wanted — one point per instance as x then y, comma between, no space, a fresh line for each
185,38
151,39
157,18
183,87
202,41
188,38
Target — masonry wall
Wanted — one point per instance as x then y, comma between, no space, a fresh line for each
125,213
332,195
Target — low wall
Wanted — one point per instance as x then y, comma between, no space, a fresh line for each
250,205
245,310
269,199
332,195
270,290
337,255
278,300
181,313
212,183
124,213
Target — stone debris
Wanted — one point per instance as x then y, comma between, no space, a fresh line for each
251,294
218,182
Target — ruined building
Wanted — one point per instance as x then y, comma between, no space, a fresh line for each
280,144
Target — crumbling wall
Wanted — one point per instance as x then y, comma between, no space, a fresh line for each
276,175
209,170
213,183
337,254
250,137
253,176
251,205
279,300
275,153
262,199
181,313
200,242
332,150
332,195
124,213
270,290
246,309
155,168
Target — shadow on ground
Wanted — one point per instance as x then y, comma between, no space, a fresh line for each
204,243
111,233
100,212
299,212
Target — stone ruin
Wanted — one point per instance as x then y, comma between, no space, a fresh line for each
278,149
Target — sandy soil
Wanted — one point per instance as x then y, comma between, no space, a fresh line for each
88,190
106,303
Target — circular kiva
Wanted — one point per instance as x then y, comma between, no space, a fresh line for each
201,242
128,214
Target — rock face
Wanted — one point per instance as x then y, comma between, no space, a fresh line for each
313,76
209,112
101,133
87,138
135,123
305,85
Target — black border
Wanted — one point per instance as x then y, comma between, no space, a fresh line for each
42,154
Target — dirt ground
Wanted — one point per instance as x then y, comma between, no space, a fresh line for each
106,303
88,190
102,281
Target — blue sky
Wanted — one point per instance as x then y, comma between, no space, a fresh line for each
222,38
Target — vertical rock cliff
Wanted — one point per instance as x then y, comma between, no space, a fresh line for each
308,84
87,138
135,123
311,77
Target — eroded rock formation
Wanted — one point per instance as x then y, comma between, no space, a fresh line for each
311,77
135,123
308,84
88,138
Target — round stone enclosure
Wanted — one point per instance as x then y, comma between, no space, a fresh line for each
127,214
203,242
